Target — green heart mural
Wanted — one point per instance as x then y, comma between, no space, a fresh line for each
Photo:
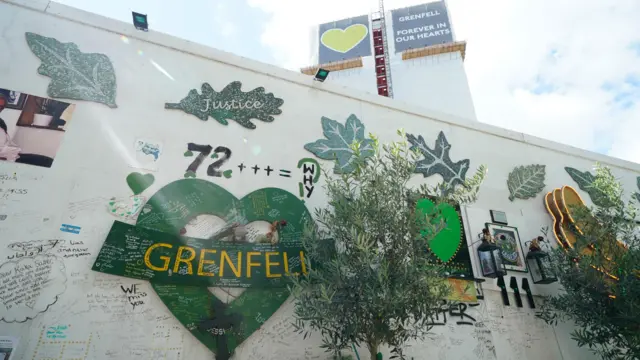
219,326
449,237
138,182
344,40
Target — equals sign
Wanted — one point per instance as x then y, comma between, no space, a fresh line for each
70,228
285,173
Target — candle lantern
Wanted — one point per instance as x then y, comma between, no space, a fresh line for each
540,263
490,256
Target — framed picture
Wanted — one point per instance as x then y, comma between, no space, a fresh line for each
499,217
15,100
508,240
486,263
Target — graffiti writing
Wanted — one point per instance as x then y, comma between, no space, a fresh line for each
75,249
134,297
7,177
310,175
32,248
57,332
212,170
455,310
204,151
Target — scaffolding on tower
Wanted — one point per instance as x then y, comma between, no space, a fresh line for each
381,52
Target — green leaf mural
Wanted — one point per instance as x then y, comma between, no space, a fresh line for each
585,181
230,104
74,74
526,182
337,145
437,160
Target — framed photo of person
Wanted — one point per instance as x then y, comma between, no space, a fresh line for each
508,240
15,100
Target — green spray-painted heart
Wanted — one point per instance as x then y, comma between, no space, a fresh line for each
196,307
448,228
138,182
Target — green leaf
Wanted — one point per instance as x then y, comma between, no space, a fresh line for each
585,182
74,74
437,160
337,145
230,104
526,182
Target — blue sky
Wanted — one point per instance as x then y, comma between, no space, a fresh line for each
568,70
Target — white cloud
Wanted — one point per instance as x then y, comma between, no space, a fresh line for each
573,47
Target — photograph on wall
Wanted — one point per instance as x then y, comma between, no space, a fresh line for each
486,263
148,153
8,346
508,240
31,127
420,26
15,100
344,39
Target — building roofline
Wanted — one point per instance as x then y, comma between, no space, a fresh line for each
168,41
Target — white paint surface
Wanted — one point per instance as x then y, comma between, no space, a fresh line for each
95,156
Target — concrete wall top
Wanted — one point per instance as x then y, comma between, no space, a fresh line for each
165,40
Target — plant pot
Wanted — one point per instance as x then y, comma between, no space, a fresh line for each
42,120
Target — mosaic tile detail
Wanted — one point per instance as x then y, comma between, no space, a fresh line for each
437,160
526,182
74,74
230,104
337,145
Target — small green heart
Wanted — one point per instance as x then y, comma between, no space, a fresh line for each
189,174
114,210
112,203
138,182
214,156
227,173
188,153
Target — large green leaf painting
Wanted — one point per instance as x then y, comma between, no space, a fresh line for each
526,182
230,104
585,182
74,74
337,145
437,160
